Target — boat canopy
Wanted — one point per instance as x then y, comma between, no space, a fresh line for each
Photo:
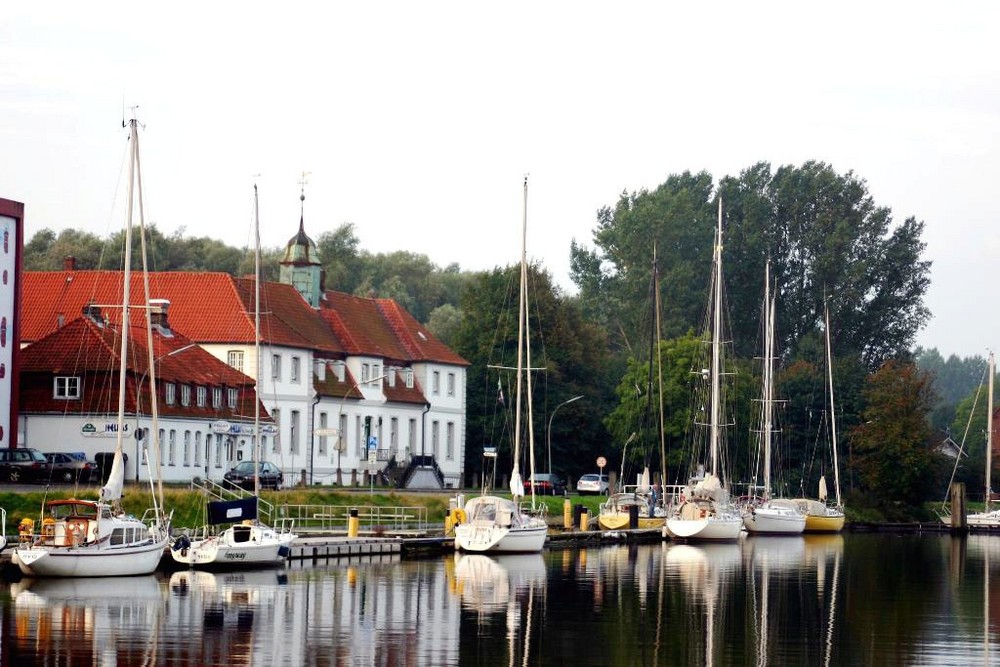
232,511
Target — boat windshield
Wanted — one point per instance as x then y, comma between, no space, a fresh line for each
61,510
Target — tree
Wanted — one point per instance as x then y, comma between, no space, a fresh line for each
892,447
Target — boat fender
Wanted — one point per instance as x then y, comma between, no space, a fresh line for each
284,551
182,543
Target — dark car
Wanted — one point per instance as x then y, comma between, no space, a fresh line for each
22,464
242,475
546,484
68,468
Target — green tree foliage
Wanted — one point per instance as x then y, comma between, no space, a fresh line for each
572,352
444,323
892,447
954,379
47,252
823,232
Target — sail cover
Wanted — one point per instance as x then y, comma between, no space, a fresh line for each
232,511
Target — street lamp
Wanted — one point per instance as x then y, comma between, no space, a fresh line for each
549,432
138,403
340,435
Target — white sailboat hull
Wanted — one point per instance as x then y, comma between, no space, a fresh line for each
983,519
775,521
260,546
89,561
711,528
490,537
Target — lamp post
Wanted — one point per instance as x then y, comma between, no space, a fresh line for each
549,431
340,435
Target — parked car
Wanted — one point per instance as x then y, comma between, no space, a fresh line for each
546,484
68,468
22,464
242,475
592,484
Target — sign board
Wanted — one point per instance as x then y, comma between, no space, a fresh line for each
601,462
372,443
324,432
106,430
226,428
490,452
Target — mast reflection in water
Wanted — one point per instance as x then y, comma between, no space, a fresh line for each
817,600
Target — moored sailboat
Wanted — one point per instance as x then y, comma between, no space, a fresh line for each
493,523
85,538
246,541
704,511
767,516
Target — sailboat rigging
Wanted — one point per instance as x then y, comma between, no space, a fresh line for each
493,523
84,538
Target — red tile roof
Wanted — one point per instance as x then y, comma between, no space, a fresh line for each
85,349
218,308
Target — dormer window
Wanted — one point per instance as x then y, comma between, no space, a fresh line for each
185,395
232,399
409,378
170,393
391,377
365,372
216,397
202,396
235,359
339,369
67,388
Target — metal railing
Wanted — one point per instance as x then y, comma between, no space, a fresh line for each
371,518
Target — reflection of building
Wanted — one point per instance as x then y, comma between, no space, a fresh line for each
346,379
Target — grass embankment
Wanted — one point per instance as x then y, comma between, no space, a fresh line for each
188,506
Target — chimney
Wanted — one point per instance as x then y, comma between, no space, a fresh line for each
93,312
69,263
158,315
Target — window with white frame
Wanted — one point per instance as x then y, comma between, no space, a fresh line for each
187,448
170,393
393,436
235,359
322,438
411,441
451,384
449,443
365,370
160,445
293,432
375,371
409,378
436,383
296,369
197,448
435,437
276,367
172,453
218,451
216,397
361,436
185,395
202,395
233,396
66,388
276,415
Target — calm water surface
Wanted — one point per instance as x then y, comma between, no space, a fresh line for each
840,600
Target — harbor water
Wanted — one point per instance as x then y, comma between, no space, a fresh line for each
852,599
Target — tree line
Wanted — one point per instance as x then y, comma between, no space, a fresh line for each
830,245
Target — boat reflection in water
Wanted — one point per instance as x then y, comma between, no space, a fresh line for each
509,584
86,621
224,612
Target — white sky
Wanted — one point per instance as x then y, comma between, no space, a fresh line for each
418,120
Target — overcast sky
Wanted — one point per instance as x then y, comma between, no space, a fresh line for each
416,121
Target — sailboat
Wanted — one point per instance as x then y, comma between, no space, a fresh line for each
246,541
616,512
704,511
768,517
85,538
988,518
821,517
493,523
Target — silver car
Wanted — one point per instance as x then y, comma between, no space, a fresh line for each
592,484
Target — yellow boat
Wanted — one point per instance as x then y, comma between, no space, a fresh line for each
820,518
614,514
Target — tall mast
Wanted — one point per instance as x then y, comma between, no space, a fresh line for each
768,377
659,367
833,415
256,342
989,430
516,485
716,361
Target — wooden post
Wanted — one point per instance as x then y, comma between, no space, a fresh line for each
958,517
